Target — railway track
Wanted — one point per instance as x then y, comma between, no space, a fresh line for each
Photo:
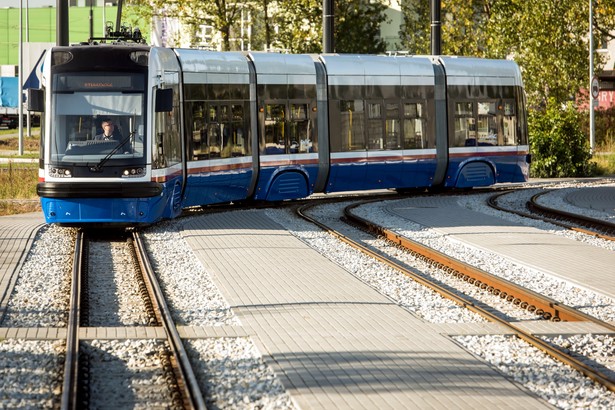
518,296
176,370
576,222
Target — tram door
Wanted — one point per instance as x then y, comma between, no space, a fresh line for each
288,162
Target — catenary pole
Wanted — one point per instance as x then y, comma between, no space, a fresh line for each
328,14
592,127
436,28
20,79
61,22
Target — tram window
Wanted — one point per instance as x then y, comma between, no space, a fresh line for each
217,130
198,144
275,119
374,126
274,91
226,145
214,143
414,126
196,92
509,123
239,91
352,132
238,143
218,92
465,125
167,123
392,129
487,125
301,91
299,132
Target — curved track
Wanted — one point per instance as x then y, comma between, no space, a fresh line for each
576,222
544,306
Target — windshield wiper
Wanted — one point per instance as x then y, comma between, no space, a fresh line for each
98,167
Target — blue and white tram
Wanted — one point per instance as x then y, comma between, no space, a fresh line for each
195,127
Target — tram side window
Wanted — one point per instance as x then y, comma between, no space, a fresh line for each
198,141
487,131
352,132
497,123
239,144
414,126
509,124
299,132
217,130
374,126
465,126
521,118
392,129
275,118
213,132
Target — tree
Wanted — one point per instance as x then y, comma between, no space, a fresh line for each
551,48
463,26
559,146
357,27
298,25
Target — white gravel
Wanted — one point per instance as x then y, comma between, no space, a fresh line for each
235,376
30,373
137,364
42,290
113,290
555,382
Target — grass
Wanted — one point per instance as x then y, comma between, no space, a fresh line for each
18,188
18,179
9,144
604,157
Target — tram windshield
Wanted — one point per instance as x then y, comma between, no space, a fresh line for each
97,117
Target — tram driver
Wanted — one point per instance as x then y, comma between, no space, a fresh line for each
108,131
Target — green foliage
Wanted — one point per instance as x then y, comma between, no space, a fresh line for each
462,27
558,145
551,49
357,27
299,25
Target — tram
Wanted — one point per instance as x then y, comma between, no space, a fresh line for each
195,127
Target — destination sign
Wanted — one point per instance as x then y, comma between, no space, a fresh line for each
97,82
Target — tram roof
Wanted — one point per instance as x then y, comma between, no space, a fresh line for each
463,67
368,65
204,61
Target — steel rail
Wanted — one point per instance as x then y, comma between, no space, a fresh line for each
593,374
187,380
554,216
581,220
70,387
518,295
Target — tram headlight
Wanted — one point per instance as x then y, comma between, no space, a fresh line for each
133,172
57,172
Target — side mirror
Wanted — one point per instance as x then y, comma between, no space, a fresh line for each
164,100
36,100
